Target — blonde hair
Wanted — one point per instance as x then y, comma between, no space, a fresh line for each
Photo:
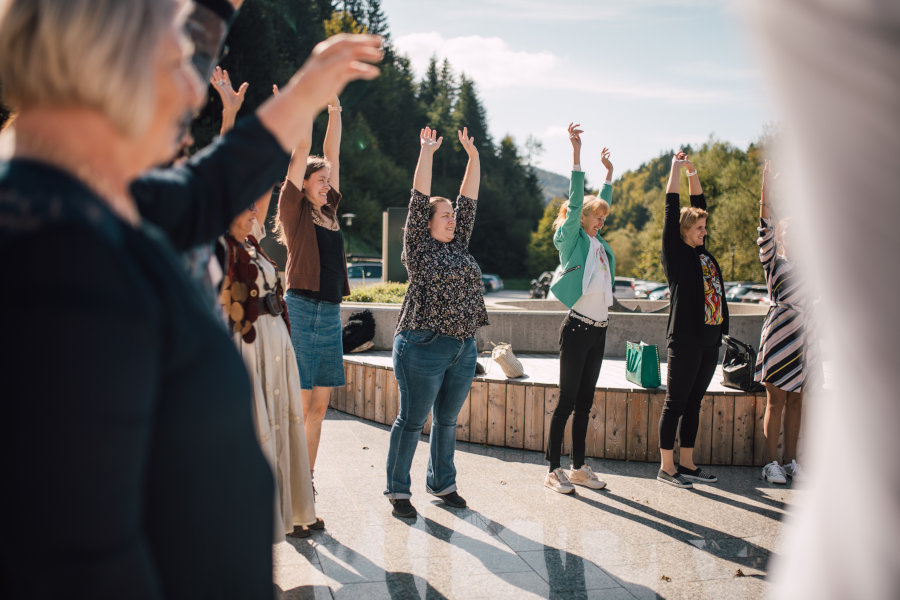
85,53
592,205
690,215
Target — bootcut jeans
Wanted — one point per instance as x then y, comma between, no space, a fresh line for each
434,373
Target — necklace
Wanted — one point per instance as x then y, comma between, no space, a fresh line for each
320,220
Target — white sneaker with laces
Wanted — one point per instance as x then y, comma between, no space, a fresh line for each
557,481
773,473
793,470
585,476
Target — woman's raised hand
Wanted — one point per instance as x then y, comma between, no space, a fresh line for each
680,159
468,143
429,140
604,158
231,100
575,135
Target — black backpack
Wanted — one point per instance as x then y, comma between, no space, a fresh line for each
738,366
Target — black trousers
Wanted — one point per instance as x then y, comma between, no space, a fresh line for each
581,348
690,369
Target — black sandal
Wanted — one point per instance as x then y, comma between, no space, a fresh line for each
304,531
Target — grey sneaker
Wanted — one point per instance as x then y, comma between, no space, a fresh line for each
697,475
557,481
585,476
774,473
676,480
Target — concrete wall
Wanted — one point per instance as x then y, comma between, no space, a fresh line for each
538,330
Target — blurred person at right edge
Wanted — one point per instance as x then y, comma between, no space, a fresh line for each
781,364
835,70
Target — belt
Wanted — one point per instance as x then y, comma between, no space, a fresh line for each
270,304
588,320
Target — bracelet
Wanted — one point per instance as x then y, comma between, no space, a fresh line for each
694,172
332,109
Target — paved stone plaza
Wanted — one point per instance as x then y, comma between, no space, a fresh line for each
637,538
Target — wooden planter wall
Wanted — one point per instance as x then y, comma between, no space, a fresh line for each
623,425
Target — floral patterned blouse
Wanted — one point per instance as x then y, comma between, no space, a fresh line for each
444,279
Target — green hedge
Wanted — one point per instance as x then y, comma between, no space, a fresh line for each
389,293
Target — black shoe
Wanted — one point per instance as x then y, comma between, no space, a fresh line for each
698,475
453,499
403,508
678,480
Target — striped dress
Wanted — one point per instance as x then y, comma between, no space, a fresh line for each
780,360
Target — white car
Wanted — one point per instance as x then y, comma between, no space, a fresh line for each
361,274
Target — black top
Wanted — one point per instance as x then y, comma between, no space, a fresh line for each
332,266
128,408
681,264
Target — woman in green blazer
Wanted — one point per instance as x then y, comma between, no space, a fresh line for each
586,287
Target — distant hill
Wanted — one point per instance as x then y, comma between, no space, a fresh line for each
553,185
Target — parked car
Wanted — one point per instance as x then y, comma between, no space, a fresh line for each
623,287
758,294
660,293
364,273
737,291
643,288
492,283
649,294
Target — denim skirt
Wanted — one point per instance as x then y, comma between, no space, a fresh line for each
316,337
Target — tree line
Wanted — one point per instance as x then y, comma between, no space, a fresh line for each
381,123
269,41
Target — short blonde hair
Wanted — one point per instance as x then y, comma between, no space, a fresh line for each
86,53
592,206
690,215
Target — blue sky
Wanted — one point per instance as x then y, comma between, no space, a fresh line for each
641,76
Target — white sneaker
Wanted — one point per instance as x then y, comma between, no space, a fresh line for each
773,473
585,476
557,481
793,471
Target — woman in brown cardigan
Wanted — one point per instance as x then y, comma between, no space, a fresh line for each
316,271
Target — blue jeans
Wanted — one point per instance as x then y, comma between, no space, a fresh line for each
434,373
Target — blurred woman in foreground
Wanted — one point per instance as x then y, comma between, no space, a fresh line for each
134,409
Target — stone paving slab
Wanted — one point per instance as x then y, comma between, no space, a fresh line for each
636,539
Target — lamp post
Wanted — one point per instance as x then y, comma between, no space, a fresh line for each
348,221
732,261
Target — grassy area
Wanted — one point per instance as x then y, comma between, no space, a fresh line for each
390,293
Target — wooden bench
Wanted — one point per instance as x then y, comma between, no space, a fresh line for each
516,413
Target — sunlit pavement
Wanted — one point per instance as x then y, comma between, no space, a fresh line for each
638,538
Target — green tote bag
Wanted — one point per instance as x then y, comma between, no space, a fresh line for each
642,364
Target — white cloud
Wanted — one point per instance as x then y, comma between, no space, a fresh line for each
488,60
708,70
579,11
493,64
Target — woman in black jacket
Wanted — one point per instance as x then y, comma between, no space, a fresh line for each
698,317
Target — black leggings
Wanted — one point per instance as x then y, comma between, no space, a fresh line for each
581,348
690,369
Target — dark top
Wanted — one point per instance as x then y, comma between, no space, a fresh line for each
332,266
681,263
444,292
302,268
129,410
